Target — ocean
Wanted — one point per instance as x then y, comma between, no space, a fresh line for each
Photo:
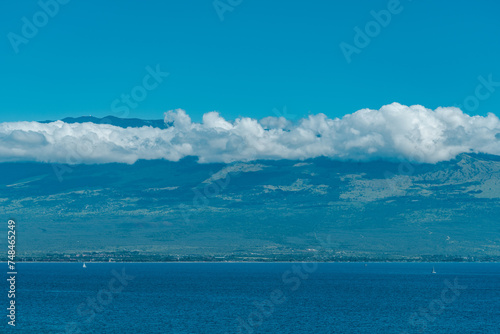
255,298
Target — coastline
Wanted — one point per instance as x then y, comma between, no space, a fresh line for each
251,262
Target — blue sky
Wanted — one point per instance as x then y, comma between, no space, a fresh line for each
263,56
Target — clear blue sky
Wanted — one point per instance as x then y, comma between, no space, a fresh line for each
263,55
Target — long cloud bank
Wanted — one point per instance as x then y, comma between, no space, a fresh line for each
394,132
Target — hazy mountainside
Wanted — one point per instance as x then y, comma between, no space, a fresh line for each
316,209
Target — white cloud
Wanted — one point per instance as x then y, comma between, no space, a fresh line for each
393,132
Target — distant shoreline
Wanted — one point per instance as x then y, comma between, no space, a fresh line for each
144,257
250,262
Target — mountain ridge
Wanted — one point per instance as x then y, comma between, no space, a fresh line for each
116,121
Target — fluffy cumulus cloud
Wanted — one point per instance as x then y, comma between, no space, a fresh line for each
393,132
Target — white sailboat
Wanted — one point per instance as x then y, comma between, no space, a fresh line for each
433,271
84,266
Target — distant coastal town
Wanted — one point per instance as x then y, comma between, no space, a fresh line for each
139,256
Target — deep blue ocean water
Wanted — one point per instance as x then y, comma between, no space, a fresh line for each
256,298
